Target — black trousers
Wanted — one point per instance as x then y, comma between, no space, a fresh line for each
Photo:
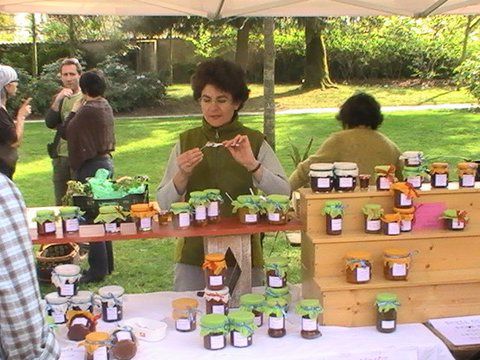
6,169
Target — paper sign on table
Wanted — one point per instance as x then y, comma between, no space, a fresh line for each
463,330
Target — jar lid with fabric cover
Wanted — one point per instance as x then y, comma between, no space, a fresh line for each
309,307
321,170
409,171
45,215
372,211
276,202
413,155
243,322
278,293
67,270
70,212
276,306
215,262
386,302
345,169
184,303
198,198
467,168
82,297
390,218
108,291
110,213
141,211
253,203
222,295
461,215
333,208
251,301
214,324
384,170
95,340
405,188
397,253
54,299
213,194
358,255
180,207
277,264
439,168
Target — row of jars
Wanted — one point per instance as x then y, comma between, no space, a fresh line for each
121,344
46,220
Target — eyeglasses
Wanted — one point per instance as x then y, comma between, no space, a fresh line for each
220,101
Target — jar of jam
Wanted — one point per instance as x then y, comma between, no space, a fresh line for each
216,301
164,217
254,303
111,216
97,346
123,343
181,215
345,176
358,267
455,219
396,263
466,174
278,293
333,212
65,278
185,314
309,310
143,215
80,324
277,207
45,220
373,214
70,218
276,309
387,305
215,199
407,215
242,327
83,301
439,175
111,299
364,180
391,224
214,267
414,175
403,195
248,207
321,177
385,176
214,328
57,307
276,272
199,202
412,158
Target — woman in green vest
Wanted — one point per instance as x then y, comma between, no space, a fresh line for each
243,161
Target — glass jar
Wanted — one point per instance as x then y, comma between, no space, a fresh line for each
276,272
396,263
385,177
216,301
466,173
181,215
111,216
248,208
80,324
97,346
215,199
254,303
278,293
387,305
277,311
407,216
364,180
70,218
358,267
111,300
57,307
199,203
83,301
214,267
439,175
345,176
277,207
164,217
185,314
45,220
321,177
412,158
372,214
403,195
309,310
414,175
143,215
214,328
65,278
242,327
391,224
333,212
455,219
123,344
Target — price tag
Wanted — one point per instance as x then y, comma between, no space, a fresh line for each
468,180
67,290
415,181
275,281
239,340
184,219
215,280
80,321
405,200
218,309
217,342
393,228
384,183
213,209
200,213
251,218
258,320
363,274
388,324
276,323
111,228
399,269
406,225
373,225
183,324
323,183
58,317
71,225
309,324
441,180
457,224
49,227
336,224
112,313
345,182
146,223
274,216
123,335
100,354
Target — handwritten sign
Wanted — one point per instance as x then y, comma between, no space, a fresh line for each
397,354
464,330
427,216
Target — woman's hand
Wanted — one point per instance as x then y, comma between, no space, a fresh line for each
24,110
241,151
188,160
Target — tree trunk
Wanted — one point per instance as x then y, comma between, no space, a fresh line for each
34,46
316,65
72,39
241,52
269,81
170,50
468,30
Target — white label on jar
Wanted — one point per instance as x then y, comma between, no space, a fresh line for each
250,218
363,274
218,309
67,290
213,209
58,317
49,226
258,320
415,181
183,324
323,183
336,224
384,183
388,324
71,225
309,324
215,280
111,227
184,219
239,340
399,269
345,182
80,321
393,228
406,225
217,342
468,180
123,335
275,281
441,179
146,223
274,216
373,225
413,161
200,213
112,313
276,323
100,354
405,200
457,224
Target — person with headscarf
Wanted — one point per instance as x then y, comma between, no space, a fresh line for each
11,131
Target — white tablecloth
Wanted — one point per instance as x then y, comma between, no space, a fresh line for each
408,342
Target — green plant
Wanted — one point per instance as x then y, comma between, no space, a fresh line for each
295,152
468,75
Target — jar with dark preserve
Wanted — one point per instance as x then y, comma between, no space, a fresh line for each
277,207
254,303
45,220
412,158
164,217
345,176
181,215
214,267
278,293
403,195
391,224
217,301
185,314
242,326
276,272
407,216
439,175
123,343
384,177
214,329
143,215
455,219
83,301
321,177
309,310
111,299
248,207
414,175
372,214
387,305
199,202
467,172
57,307
358,267
276,309
70,216
111,216
333,212
97,346
364,180
396,263
215,200
80,324
65,278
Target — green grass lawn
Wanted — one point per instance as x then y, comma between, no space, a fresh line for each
143,147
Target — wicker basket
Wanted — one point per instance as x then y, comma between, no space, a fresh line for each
52,255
